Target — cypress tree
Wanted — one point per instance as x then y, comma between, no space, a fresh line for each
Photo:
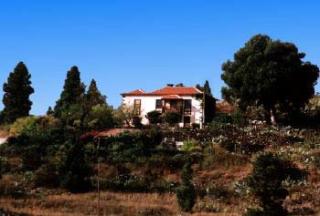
72,94
207,89
17,91
186,194
94,96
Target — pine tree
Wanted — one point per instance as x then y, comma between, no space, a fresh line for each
94,96
17,91
72,94
186,194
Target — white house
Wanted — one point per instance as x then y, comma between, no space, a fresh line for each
185,100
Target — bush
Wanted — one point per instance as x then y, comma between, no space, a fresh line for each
101,117
266,183
186,194
154,117
76,170
23,125
136,122
47,176
172,118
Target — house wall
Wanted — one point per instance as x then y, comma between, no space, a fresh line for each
148,103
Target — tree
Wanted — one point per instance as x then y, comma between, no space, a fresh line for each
100,117
186,192
271,74
207,89
209,102
265,182
94,96
72,94
124,115
17,91
50,111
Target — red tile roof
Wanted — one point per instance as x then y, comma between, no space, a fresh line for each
171,97
224,107
168,90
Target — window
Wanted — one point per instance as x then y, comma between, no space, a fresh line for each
137,106
187,106
158,104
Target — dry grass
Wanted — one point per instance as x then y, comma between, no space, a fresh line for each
111,204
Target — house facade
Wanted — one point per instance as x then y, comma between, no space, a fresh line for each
185,100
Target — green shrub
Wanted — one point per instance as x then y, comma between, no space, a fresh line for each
47,176
186,194
23,125
172,118
154,117
136,122
190,145
100,117
76,170
266,183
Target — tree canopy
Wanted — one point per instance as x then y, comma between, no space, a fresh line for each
269,73
94,96
17,91
72,94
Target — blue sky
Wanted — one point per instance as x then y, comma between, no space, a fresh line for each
130,44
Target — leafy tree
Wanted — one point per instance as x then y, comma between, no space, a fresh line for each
17,91
124,115
271,74
154,117
266,180
94,96
100,117
72,94
186,192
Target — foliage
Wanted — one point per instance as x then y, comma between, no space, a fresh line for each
190,145
136,122
94,96
186,192
76,170
154,117
172,118
17,91
271,74
266,183
72,94
209,102
124,115
100,117
23,125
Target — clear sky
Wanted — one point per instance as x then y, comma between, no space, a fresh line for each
130,44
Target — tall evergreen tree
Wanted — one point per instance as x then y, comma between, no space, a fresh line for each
209,102
186,194
94,96
17,91
72,94
207,89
